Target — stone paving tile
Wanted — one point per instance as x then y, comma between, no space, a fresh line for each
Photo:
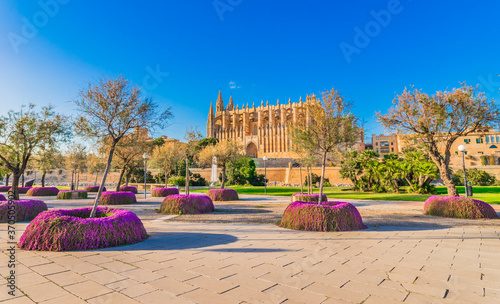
173,286
117,266
162,297
141,275
88,289
208,297
338,293
211,284
28,279
66,278
43,292
20,300
66,299
113,297
105,276
304,296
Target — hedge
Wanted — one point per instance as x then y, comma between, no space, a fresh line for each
329,216
26,210
129,189
23,190
459,207
2,198
117,198
5,188
68,194
186,204
64,230
164,192
304,197
223,195
42,191
94,189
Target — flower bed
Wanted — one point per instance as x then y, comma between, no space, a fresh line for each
42,191
304,197
129,189
5,188
223,195
164,192
329,216
2,198
68,194
64,230
187,204
93,189
23,189
117,198
26,210
459,207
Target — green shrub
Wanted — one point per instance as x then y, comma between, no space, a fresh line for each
484,160
474,176
177,181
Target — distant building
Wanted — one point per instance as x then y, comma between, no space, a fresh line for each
385,144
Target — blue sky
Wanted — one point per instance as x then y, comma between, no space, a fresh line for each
253,50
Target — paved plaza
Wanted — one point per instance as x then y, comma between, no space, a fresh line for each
217,261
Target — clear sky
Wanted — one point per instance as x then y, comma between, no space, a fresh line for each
182,52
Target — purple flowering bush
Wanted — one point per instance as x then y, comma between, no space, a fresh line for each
42,191
2,198
329,216
26,210
117,198
129,189
164,192
4,188
186,204
64,230
23,189
459,207
68,194
223,195
93,189
304,197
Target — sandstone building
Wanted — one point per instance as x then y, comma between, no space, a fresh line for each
263,130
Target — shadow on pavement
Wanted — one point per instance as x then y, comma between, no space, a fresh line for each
246,250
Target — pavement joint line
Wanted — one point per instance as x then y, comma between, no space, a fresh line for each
263,290
230,289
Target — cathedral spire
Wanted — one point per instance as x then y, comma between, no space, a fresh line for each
219,106
230,105
210,122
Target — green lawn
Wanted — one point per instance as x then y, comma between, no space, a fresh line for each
488,194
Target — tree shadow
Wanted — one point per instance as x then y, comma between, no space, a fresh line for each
240,210
248,250
179,241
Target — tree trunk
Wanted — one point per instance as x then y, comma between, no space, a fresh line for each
301,185
95,181
22,180
43,178
166,179
122,171
72,180
77,180
323,164
103,181
223,167
127,177
15,185
310,181
443,171
187,177
7,177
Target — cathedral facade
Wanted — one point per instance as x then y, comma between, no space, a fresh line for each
262,130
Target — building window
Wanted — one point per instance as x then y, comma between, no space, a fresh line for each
466,141
456,152
498,138
376,144
392,143
255,130
492,139
487,139
493,147
384,144
392,149
377,150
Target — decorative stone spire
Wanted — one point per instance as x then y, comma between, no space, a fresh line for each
278,102
267,103
230,105
210,122
248,106
253,105
262,103
289,100
219,105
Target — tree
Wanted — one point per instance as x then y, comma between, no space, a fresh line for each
76,160
110,109
48,158
436,121
129,153
190,150
350,167
208,141
225,152
333,129
23,133
166,157
96,162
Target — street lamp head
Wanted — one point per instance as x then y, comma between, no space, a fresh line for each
145,156
265,158
462,148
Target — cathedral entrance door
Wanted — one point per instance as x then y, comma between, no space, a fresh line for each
251,150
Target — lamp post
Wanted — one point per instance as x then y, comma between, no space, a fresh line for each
145,156
463,148
265,175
